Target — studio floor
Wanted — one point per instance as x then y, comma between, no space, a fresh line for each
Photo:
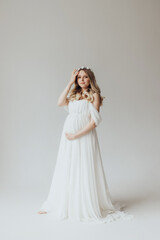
19,219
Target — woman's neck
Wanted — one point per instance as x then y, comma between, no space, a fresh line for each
84,89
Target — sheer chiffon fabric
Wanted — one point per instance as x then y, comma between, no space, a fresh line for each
79,189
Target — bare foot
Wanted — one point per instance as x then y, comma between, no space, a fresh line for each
42,212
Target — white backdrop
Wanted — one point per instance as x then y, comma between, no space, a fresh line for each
41,43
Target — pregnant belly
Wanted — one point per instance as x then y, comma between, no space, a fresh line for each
75,122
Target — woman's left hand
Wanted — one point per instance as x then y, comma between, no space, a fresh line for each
70,136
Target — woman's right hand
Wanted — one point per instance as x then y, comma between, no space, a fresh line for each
73,76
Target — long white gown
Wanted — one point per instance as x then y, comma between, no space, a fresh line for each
79,190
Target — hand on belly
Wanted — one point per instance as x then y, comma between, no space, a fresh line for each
70,136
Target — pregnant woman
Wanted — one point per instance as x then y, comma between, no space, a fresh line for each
79,189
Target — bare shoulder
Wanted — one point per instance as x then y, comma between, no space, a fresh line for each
96,97
96,100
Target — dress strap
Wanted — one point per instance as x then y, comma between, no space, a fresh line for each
96,116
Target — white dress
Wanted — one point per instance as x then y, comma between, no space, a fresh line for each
79,190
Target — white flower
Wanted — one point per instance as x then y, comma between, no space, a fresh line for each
83,68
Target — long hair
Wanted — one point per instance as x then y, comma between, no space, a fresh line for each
76,92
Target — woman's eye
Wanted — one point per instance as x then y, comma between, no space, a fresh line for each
85,77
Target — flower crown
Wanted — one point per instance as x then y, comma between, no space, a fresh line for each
83,68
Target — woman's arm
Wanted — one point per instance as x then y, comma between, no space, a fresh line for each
89,126
62,100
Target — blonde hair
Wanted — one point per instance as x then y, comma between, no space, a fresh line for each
76,93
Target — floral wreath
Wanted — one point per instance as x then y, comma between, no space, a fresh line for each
83,68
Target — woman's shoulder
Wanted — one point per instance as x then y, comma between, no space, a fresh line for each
96,96
96,101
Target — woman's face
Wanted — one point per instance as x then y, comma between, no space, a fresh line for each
83,79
